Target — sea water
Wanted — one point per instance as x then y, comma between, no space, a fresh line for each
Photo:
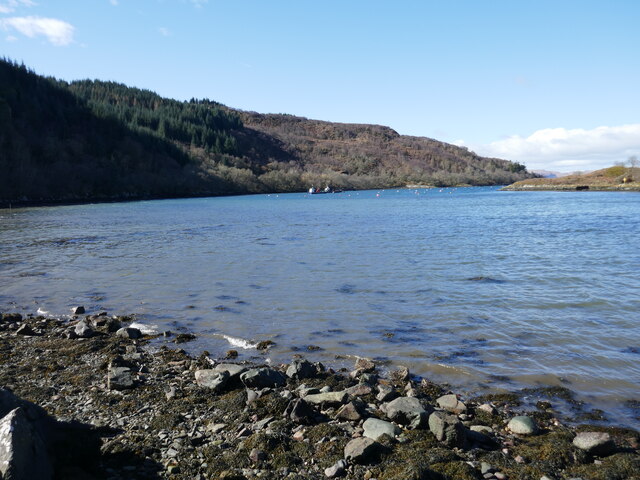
472,286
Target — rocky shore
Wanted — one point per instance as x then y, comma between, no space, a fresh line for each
93,398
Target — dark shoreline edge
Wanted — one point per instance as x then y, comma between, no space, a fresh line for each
148,414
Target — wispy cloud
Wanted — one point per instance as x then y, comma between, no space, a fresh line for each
165,32
199,3
114,2
9,6
568,149
57,32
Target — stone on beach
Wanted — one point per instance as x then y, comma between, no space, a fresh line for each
234,370
451,404
129,332
522,425
83,329
406,411
214,380
447,429
362,450
299,411
595,443
374,428
331,398
336,470
300,369
263,378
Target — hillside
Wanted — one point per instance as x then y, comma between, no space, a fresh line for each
93,140
612,178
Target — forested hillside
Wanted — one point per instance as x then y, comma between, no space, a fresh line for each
93,140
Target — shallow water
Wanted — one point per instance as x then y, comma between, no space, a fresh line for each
472,286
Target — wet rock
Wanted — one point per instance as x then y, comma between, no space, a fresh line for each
263,378
300,369
264,344
231,354
129,333
365,365
113,325
336,470
447,429
362,450
25,329
375,428
80,310
488,408
359,390
330,398
451,404
400,375
299,411
522,425
595,443
23,453
184,338
83,329
212,379
11,317
406,411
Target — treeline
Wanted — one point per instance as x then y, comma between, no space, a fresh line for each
93,140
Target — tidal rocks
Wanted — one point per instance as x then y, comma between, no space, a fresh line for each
375,428
450,403
407,411
80,310
336,470
595,443
330,398
362,450
214,380
83,329
300,369
129,333
300,412
263,378
522,425
232,369
447,429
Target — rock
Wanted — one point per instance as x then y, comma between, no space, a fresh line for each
331,398
257,456
477,438
23,452
129,332
336,470
481,429
406,411
232,369
231,354
300,369
25,329
375,428
184,338
264,344
362,450
78,310
365,365
299,411
11,317
447,429
359,390
113,325
209,378
119,376
522,425
488,408
451,404
83,330
386,393
263,378
595,443
350,412
400,375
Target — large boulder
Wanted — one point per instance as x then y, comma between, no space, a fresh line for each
329,398
362,450
522,425
263,378
209,378
300,369
595,443
23,452
451,404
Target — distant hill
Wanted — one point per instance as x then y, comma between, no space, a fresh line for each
93,140
612,178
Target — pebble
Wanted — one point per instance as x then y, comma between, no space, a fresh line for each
522,425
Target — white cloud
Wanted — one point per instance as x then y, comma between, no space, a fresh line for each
165,32
9,6
568,149
56,31
11,38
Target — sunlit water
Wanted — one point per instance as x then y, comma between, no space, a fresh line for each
471,286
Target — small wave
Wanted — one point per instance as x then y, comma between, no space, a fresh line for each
146,329
239,342
43,312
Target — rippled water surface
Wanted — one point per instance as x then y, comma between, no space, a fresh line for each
472,286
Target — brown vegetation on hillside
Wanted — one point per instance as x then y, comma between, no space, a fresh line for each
618,177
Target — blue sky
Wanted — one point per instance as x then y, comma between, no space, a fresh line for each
551,84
